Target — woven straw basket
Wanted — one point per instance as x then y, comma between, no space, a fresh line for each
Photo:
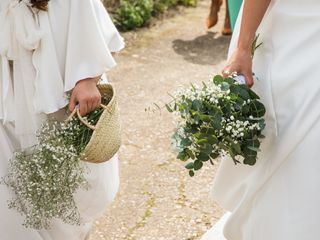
106,138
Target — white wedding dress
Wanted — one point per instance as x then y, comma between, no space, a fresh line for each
42,56
278,199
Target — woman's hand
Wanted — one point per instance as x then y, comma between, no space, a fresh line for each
87,95
240,63
241,60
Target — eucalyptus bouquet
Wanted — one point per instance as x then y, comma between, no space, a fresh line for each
45,177
221,117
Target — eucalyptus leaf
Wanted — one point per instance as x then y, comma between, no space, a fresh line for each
250,161
197,165
237,148
182,156
229,80
225,86
250,153
257,109
205,118
190,154
196,104
189,166
212,139
186,142
253,95
207,149
202,141
218,79
208,130
216,123
203,157
214,155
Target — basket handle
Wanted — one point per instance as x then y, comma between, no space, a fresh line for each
86,123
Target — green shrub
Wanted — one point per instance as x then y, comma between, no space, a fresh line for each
133,13
160,6
192,3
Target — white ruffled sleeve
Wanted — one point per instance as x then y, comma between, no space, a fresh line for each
110,33
91,38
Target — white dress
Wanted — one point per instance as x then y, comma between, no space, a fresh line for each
278,199
49,52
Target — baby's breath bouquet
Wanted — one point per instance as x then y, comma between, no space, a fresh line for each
45,177
222,117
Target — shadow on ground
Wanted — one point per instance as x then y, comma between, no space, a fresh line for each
208,49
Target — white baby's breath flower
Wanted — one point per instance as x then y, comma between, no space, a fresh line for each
52,170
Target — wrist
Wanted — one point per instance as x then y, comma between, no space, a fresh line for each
244,48
243,51
245,43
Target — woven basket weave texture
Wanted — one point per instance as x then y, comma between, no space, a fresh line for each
106,138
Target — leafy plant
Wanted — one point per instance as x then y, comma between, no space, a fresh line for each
220,118
160,6
133,13
192,3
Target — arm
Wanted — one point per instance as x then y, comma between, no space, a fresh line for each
241,59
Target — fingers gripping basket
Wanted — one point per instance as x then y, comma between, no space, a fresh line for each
106,138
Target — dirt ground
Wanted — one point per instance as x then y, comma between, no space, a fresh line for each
157,199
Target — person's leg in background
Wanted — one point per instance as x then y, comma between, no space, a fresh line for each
226,30
213,17
234,8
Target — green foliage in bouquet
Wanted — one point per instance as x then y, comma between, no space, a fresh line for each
45,177
221,118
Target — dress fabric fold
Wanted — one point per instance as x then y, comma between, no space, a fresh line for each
45,65
278,198
42,56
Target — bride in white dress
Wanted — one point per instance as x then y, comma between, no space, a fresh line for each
278,199
43,55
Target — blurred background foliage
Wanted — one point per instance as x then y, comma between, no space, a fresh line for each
131,14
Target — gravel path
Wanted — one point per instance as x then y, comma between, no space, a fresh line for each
157,198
